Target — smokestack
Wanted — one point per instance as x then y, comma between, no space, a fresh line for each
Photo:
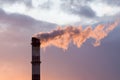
35,58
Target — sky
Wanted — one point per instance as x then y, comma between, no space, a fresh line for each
20,19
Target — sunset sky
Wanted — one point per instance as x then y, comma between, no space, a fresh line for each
21,19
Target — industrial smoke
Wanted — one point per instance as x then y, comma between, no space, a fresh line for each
61,37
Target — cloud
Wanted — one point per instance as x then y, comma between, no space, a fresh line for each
26,2
85,11
22,21
112,2
109,2
78,7
70,11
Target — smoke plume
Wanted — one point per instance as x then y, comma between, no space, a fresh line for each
61,37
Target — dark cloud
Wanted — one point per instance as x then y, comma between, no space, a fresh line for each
78,7
1,11
112,2
85,11
22,21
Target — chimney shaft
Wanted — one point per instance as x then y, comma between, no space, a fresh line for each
35,59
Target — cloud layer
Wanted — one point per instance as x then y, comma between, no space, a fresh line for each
62,12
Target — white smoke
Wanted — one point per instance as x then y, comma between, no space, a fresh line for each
61,37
